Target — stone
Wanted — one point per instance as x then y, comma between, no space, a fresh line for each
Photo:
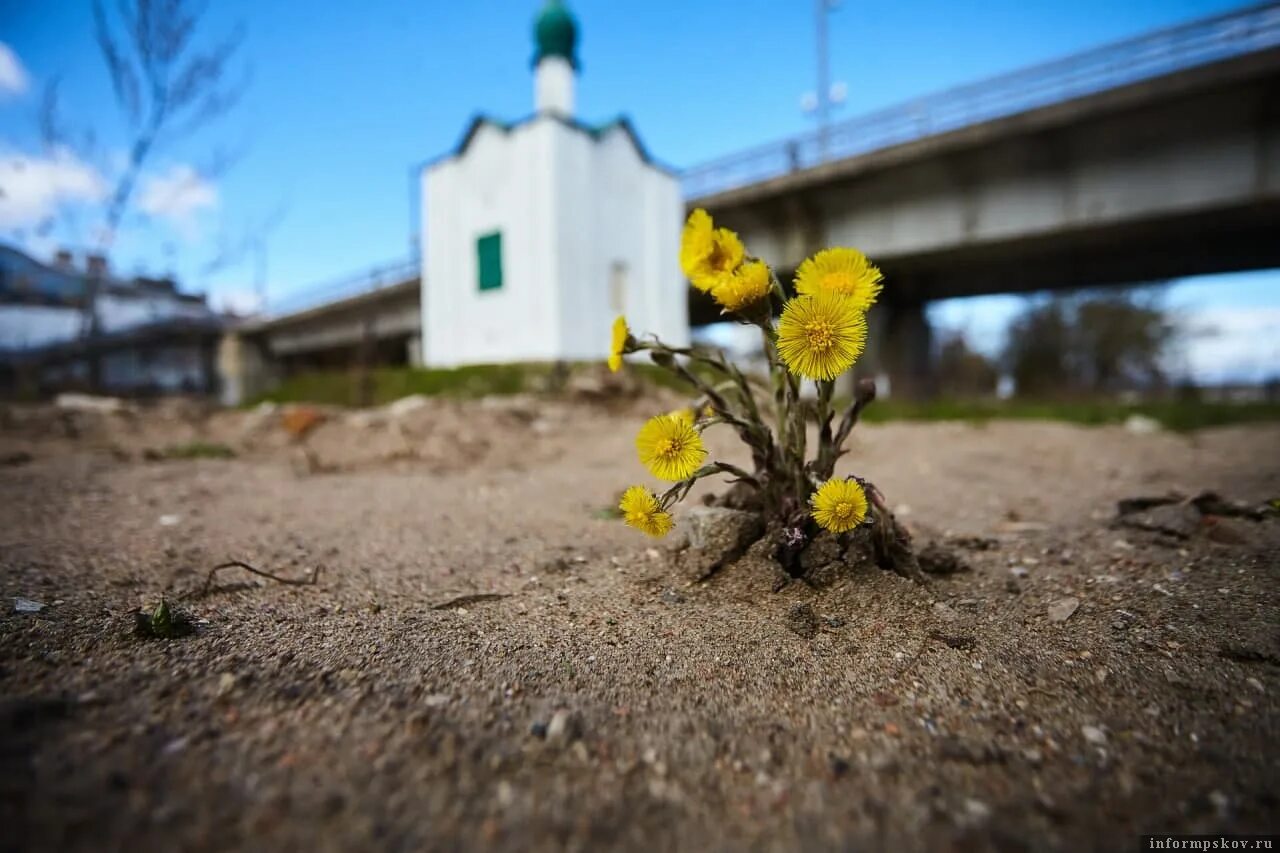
671,596
564,728
824,549
27,605
1062,609
405,405
969,752
1094,735
945,611
977,810
937,560
1177,520
90,403
1142,425
716,536
803,621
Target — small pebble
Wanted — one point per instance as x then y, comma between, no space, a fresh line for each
1062,609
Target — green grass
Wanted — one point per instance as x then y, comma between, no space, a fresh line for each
388,384
1175,415
198,450
341,388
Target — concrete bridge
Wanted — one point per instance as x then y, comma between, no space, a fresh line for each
1163,160
370,319
1152,158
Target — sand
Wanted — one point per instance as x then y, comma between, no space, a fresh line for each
590,698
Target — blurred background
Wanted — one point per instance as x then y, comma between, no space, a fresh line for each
1071,202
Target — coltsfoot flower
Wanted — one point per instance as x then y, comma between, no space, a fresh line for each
708,253
839,505
641,510
670,447
821,335
841,270
618,343
743,288
686,414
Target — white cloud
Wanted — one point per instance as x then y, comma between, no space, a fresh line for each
1234,344
32,188
238,301
177,195
13,77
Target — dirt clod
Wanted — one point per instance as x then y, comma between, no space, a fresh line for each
803,621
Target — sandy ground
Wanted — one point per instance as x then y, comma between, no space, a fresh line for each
354,714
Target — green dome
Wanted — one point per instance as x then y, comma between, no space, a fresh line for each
556,34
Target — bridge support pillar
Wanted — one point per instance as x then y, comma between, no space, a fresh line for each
905,348
244,369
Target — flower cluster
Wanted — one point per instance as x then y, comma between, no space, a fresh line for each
816,335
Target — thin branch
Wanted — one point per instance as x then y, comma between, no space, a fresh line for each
310,580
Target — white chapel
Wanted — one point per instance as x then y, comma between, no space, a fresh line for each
537,233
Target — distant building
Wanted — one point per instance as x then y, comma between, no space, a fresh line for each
537,233
142,336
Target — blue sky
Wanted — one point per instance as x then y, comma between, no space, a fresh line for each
345,97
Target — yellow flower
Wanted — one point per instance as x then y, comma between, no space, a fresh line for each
844,271
821,335
745,287
670,447
839,505
641,510
618,344
708,253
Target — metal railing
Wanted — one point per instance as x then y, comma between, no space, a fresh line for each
1152,55
344,287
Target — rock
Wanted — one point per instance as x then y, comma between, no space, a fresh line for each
14,459
564,728
365,419
1094,735
405,405
1178,520
969,752
803,621
945,612
717,536
90,403
555,566
670,596
27,605
1061,610
937,560
822,551
977,810
1211,503
1141,425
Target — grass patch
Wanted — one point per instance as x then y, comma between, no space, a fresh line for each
341,388
198,450
387,384
1181,416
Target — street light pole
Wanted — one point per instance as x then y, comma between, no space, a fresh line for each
824,79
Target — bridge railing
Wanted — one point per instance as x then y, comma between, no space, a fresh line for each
344,287
1151,55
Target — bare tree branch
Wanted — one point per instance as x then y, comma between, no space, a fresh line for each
161,81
